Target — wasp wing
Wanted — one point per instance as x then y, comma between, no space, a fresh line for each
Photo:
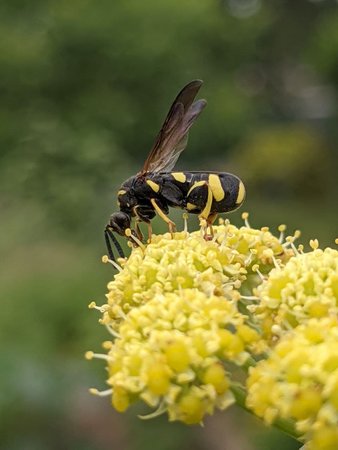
173,136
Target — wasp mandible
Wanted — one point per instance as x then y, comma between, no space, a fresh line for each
156,188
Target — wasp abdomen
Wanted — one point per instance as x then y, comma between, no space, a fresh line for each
227,192
190,190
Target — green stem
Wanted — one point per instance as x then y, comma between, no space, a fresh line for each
250,362
285,425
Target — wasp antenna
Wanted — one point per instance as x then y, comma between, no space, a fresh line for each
115,242
108,245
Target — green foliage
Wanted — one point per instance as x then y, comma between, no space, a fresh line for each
86,87
286,160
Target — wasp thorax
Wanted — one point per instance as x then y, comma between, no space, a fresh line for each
119,222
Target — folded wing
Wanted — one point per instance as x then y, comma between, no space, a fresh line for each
173,136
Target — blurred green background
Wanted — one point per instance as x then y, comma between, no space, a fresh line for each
85,86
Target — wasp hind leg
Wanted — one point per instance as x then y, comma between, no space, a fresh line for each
150,231
201,197
207,219
171,224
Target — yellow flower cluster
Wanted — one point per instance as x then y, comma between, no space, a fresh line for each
299,380
169,350
173,309
306,287
189,261
184,310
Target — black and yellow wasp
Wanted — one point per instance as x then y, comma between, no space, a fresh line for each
156,188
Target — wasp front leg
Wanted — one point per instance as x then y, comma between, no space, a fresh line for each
143,213
171,224
138,231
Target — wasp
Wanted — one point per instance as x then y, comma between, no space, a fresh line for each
156,187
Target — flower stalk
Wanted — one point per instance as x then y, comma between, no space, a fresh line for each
285,425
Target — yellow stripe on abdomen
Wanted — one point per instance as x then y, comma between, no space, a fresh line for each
216,187
241,193
196,185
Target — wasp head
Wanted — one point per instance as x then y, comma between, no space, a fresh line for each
119,222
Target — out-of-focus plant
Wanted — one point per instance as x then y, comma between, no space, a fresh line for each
76,81
245,318
286,160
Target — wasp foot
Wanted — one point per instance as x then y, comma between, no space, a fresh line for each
172,228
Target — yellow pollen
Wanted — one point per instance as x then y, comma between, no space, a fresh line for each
105,259
314,244
216,187
107,345
179,176
245,217
121,192
89,355
154,186
93,391
241,193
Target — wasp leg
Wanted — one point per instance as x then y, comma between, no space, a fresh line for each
171,224
210,220
150,231
138,231
144,213
200,196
